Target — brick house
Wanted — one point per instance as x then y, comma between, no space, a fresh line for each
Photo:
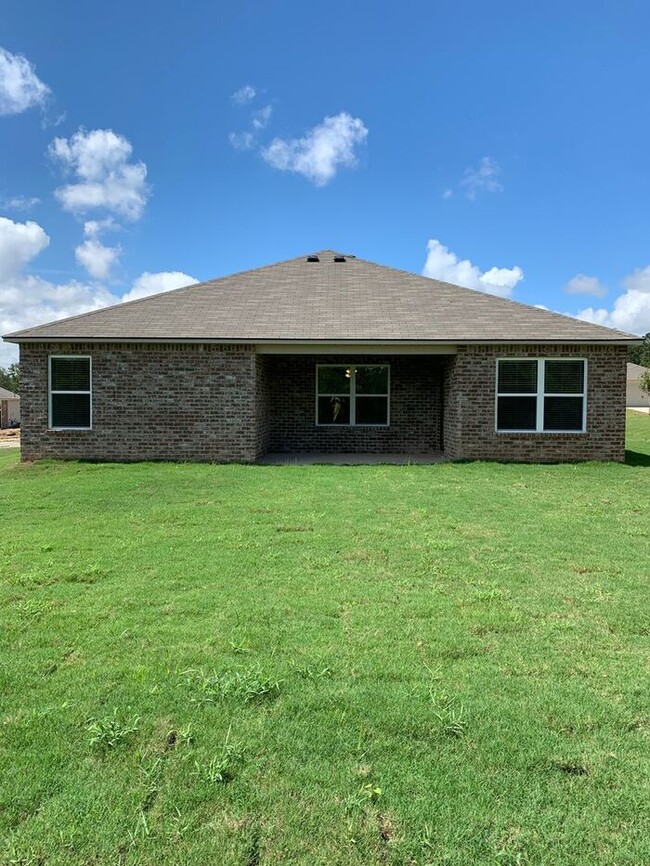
323,353
9,408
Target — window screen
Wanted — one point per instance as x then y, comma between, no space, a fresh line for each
541,395
70,392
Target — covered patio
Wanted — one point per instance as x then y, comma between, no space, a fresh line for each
351,407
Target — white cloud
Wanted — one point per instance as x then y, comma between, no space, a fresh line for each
321,151
447,193
20,202
106,179
19,243
97,259
20,87
483,178
262,117
93,228
152,284
581,284
247,140
243,95
242,140
638,281
442,264
27,300
630,311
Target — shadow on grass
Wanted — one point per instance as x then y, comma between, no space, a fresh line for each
637,458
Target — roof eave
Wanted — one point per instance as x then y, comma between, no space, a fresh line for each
61,338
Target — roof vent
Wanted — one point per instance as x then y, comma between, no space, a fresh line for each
339,258
313,259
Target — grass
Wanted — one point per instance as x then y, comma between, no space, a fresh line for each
325,665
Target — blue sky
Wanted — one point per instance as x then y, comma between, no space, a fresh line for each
503,146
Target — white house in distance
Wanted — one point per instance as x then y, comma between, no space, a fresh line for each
9,408
635,396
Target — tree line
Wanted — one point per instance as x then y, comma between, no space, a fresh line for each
640,354
10,378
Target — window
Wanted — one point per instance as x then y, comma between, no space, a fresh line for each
355,395
541,396
70,392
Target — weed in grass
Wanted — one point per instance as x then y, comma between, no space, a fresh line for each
426,838
313,672
223,767
111,731
184,736
239,647
248,684
366,795
29,857
153,775
33,608
449,713
90,574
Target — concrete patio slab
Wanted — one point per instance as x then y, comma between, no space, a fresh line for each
351,459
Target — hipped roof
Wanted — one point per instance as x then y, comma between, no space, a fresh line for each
326,301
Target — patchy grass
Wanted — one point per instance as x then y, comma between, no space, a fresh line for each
325,665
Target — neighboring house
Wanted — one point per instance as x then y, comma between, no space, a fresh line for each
322,353
9,408
635,396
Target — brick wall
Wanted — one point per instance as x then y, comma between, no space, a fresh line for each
150,402
470,383
262,404
225,403
415,406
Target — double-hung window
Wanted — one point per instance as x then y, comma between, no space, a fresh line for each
355,395
541,395
70,385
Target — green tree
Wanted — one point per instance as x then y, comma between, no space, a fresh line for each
644,383
10,378
640,354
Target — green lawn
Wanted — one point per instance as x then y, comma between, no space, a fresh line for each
325,665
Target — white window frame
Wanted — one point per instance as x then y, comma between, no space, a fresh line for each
353,395
50,392
541,394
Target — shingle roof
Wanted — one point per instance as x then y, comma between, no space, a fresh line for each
297,300
8,395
